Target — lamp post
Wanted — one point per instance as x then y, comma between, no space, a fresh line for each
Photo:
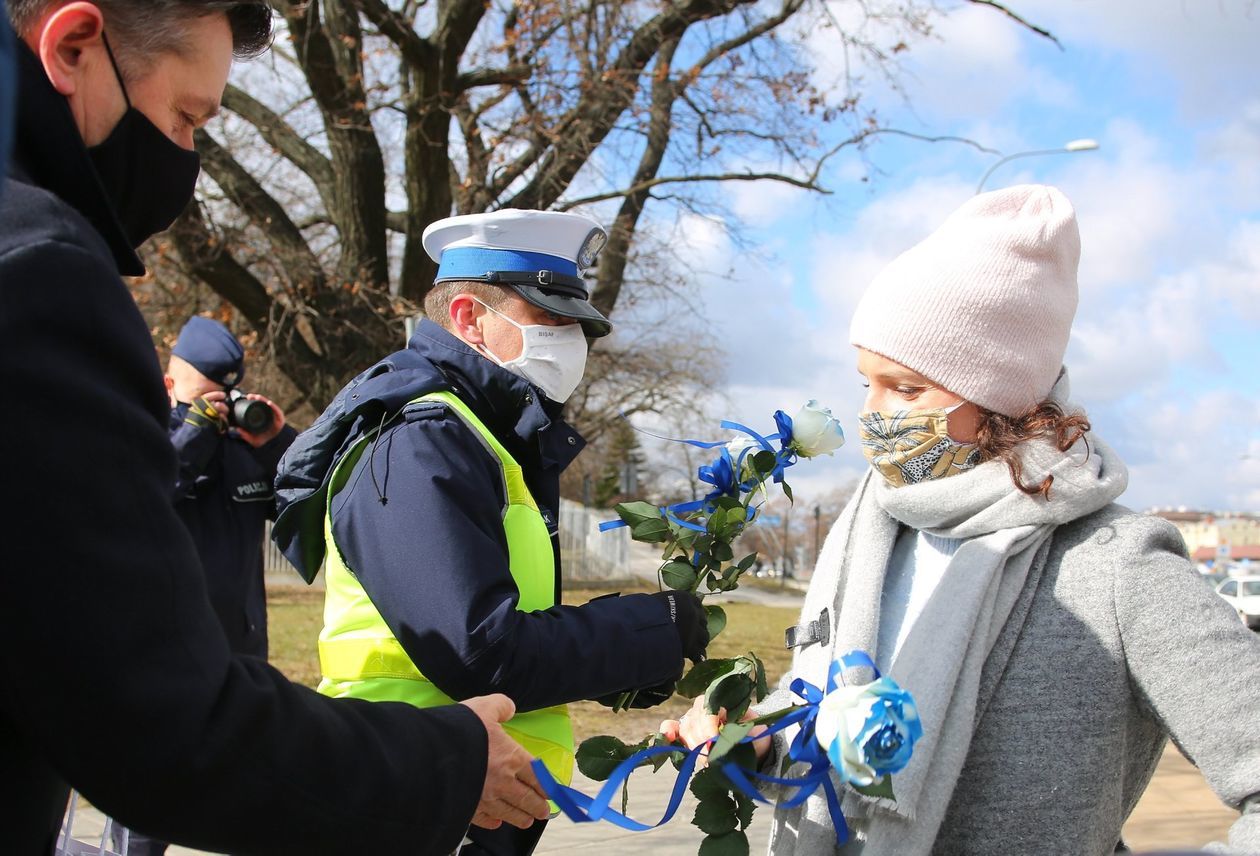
1074,146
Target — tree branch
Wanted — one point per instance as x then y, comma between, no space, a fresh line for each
494,76
208,258
277,132
400,30
805,183
1017,19
263,211
586,125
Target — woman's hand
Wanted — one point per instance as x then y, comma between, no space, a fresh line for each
698,727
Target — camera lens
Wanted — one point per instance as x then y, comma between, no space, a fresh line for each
248,415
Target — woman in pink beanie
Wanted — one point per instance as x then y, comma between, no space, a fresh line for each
1053,640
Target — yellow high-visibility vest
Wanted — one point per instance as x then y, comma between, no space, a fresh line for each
358,654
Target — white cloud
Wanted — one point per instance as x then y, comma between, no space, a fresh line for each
1206,48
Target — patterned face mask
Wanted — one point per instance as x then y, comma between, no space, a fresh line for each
912,446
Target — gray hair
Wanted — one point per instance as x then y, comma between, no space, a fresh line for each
142,29
437,303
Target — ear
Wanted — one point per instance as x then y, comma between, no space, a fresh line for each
466,314
61,40
170,388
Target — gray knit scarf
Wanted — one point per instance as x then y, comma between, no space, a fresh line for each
1006,535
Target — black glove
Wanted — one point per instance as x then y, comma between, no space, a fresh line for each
203,414
687,613
644,698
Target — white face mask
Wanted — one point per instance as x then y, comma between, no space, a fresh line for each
552,358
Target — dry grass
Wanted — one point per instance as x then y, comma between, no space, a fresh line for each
295,617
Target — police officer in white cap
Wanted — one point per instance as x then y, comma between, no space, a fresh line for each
430,490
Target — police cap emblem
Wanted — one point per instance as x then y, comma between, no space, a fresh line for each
593,243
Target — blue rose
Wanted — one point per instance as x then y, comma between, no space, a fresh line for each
868,730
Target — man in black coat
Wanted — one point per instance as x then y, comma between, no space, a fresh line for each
108,645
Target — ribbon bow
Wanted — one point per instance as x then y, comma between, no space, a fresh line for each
804,748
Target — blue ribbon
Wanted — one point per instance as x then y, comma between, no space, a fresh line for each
804,748
722,474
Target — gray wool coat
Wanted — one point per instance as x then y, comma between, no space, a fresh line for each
1114,646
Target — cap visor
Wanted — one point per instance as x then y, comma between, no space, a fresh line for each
593,323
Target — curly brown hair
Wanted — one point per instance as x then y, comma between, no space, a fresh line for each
999,437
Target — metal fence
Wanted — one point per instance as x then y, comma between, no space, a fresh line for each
588,554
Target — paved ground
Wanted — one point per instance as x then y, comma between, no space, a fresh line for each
1177,811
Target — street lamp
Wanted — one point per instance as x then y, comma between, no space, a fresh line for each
1085,145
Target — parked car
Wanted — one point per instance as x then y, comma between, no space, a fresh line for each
1243,594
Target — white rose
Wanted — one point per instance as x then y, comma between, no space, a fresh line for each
815,431
841,715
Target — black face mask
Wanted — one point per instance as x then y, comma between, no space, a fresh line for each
148,177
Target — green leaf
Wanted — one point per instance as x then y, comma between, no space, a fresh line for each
882,788
650,531
733,692
763,462
701,676
746,562
637,512
729,503
598,756
745,806
680,576
731,844
787,491
716,815
709,784
716,521
762,688
713,581
723,552
658,761
716,617
728,737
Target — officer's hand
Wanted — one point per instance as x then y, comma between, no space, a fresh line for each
511,792
258,440
687,613
644,698
208,411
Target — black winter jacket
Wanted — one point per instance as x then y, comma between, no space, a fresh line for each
117,679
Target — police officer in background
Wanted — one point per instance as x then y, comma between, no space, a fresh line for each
437,474
109,647
223,486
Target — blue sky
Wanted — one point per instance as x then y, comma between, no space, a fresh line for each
1165,352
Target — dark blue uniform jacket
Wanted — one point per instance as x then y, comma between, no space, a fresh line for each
224,495
117,678
420,524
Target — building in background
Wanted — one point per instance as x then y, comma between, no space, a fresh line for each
1220,541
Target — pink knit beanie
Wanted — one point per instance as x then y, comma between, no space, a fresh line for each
984,305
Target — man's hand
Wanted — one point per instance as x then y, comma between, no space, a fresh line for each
511,792
208,411
260,440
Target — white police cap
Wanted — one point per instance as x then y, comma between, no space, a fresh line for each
538,254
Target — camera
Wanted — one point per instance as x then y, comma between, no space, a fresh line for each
248,415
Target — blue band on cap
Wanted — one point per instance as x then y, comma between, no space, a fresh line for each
476,262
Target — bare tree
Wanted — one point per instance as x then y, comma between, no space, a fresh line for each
377,118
